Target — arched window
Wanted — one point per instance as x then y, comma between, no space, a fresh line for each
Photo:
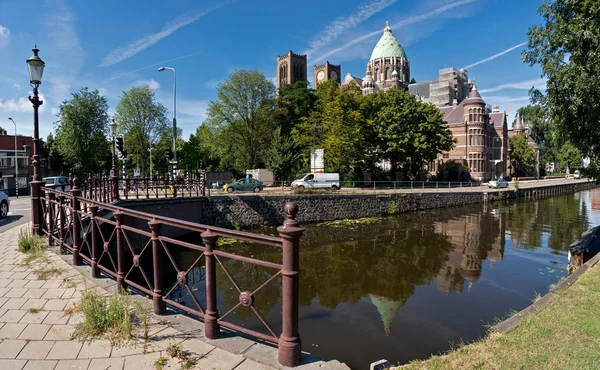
388,74
378,74
470,114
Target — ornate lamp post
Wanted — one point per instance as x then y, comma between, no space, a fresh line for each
36,69
113,174
16,166
161,69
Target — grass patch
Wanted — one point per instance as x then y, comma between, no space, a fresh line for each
104,317
350,224
35,310
143,315
177,352
33,248
563,335
393,208
47,271
160,363
226,241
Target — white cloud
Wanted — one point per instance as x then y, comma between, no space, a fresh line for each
539,83
496,55
402,23
22,105
127,51
499,98
17,86
152,84
335,28
4,35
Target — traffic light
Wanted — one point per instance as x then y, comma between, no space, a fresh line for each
168,153
120,144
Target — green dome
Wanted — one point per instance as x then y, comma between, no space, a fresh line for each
388,46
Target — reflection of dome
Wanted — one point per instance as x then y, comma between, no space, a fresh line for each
388,46
388,310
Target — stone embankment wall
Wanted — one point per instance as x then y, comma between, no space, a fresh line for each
248,211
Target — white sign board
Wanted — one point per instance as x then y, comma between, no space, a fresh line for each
317,163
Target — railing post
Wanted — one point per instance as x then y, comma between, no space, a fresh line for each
75,217
289,341
114,187
49,215
211,315
61,221
95,241
158,304
121,285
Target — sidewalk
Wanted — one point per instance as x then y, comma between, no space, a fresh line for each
35,330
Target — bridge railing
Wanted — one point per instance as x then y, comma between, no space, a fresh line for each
133,248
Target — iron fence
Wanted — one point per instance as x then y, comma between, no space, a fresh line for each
133,248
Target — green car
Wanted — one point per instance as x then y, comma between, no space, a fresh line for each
244,185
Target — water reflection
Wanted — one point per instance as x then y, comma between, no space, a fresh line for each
403,287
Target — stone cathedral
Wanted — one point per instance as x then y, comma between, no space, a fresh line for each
481,131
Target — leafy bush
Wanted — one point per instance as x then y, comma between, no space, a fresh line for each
30,243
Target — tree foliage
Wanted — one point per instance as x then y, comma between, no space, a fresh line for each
569,157
282,157
522,157
56,162
142,121
81,132
567,47
542,130
243,115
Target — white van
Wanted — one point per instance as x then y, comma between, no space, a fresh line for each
318,181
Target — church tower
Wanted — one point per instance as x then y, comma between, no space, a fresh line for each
326,72
290,68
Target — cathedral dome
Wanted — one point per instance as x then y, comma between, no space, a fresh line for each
388,46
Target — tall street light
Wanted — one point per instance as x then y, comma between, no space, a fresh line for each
16,167
150,150
36,69
113,133
161,69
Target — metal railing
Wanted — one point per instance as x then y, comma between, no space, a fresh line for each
121,243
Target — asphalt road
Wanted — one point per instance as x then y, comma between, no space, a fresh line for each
19,213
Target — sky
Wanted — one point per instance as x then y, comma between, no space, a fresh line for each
113,45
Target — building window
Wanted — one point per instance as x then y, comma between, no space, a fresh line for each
378,74
388,74
445,156
470,115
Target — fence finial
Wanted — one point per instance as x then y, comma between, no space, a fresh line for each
290,209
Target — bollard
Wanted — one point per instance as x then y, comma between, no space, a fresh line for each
211,315
76,219
158,304
289,340
95,241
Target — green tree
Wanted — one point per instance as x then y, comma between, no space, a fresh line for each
294,102
243,115
566,46
142,121
282,157
408,130
81,132
569,156
522,157
55,159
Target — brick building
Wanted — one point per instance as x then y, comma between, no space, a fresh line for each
24,166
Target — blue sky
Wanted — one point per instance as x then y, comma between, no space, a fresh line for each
113,45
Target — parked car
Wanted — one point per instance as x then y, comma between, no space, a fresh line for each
60,182
577,174
244,185
4,205
498,183
318,181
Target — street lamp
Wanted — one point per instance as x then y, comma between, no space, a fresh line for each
150,150
36,69
113,133
16,167
161,69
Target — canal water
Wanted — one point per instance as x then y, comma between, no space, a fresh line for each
407,286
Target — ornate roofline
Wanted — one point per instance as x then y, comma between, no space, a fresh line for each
325,64
285,56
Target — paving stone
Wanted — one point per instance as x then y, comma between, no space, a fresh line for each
34,318
52,284
141,361
36,350
35,332
12,364
253,365
55,305
35,284
129,350
12,330
196,347
72,365
14,303
232,343
56,317
54,293
17,283
65,350
75,319
108,364
96,349
14,292
4,282
3,301
34,303
10,348
219,359
34,293
19,275
40,365
68,293
6,267
3,291
60,332
19,268
12,316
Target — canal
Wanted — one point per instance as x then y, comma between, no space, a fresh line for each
407,286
